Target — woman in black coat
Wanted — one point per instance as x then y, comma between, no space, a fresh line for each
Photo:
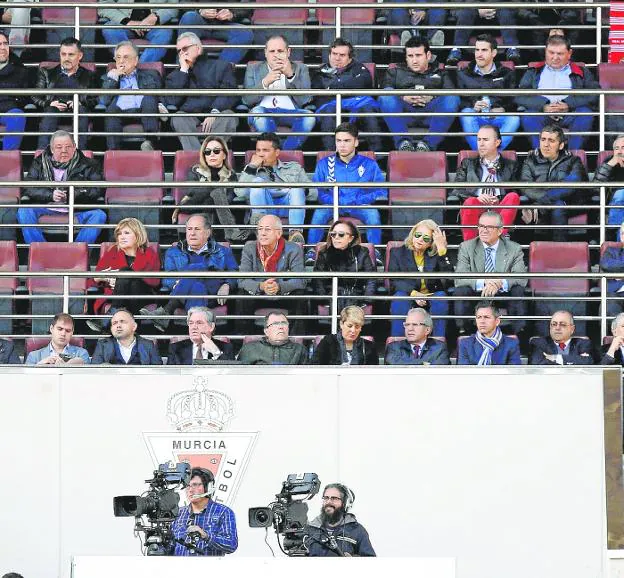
347,347
343,252
214,167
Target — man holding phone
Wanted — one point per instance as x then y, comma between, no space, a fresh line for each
59,351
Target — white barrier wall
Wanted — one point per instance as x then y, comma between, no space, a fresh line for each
501,469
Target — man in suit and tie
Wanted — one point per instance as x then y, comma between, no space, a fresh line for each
561,348
417,348
202,344
488,346
491,253
613,354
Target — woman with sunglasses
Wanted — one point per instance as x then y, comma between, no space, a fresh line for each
424,251
214,166
347,347
343,252
130,252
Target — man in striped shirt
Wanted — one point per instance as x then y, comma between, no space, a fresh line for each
204,527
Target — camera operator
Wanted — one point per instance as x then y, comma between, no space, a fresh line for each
336,532
204,527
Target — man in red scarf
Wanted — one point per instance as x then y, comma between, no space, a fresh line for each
271,253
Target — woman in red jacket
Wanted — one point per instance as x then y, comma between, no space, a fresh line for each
130,253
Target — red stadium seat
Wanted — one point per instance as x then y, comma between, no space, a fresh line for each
51,256
349,15
53,16
34,343
277,16
134,166
10,170
611,77
553,257
420,167
8,262
603,157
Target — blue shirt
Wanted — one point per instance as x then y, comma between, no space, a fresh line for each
129,101
551,78
35,357
217,521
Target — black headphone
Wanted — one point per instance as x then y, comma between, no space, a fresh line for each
207,478
348,497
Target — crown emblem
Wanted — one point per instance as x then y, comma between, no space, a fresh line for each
200,409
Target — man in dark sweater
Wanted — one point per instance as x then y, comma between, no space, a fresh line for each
12,75
613,170
418,74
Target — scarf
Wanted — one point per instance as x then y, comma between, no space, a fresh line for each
357,353
48,164
208,174
269,262
490,175
489,344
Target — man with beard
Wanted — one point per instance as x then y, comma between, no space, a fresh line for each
336,532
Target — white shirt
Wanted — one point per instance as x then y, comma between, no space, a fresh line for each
481,282
278,101
126,352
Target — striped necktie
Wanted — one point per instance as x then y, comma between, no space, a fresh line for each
489,262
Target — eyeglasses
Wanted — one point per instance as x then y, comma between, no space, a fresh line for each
425,238
186,48
331,499
196,485
278,324
216,151
339,235
410,325
559,324
488,227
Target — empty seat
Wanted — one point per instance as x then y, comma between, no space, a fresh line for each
611,77
296,17
135,166
420,167
60,23
52,256
8,285
559,257
10,170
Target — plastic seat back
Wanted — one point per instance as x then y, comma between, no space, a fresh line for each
553,257
53,256
8,262
10,170
348,15
134,166
278,16
421,167
66,15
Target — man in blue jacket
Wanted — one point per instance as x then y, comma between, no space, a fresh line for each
199,252
348,166
417,348
488,346
125,347
558,71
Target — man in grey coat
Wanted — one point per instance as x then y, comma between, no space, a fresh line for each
271,253
490,253
278,72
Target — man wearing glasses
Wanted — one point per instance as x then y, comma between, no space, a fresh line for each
197,71
204,527
561,348
490,252
336,532
271,253
275,348
417,348
126,76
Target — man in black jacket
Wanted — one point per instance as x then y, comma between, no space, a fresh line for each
552,163
488,168
613,354
66,75
483,73
62,161
126,76
561,348
613,170
197,71
201,343
12,75
418,74
220,24
558,71
344,72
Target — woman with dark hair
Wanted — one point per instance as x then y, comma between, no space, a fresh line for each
343,252
130,252
347,347
214,167
424,251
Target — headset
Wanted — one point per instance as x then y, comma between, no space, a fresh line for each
208,479
348,496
